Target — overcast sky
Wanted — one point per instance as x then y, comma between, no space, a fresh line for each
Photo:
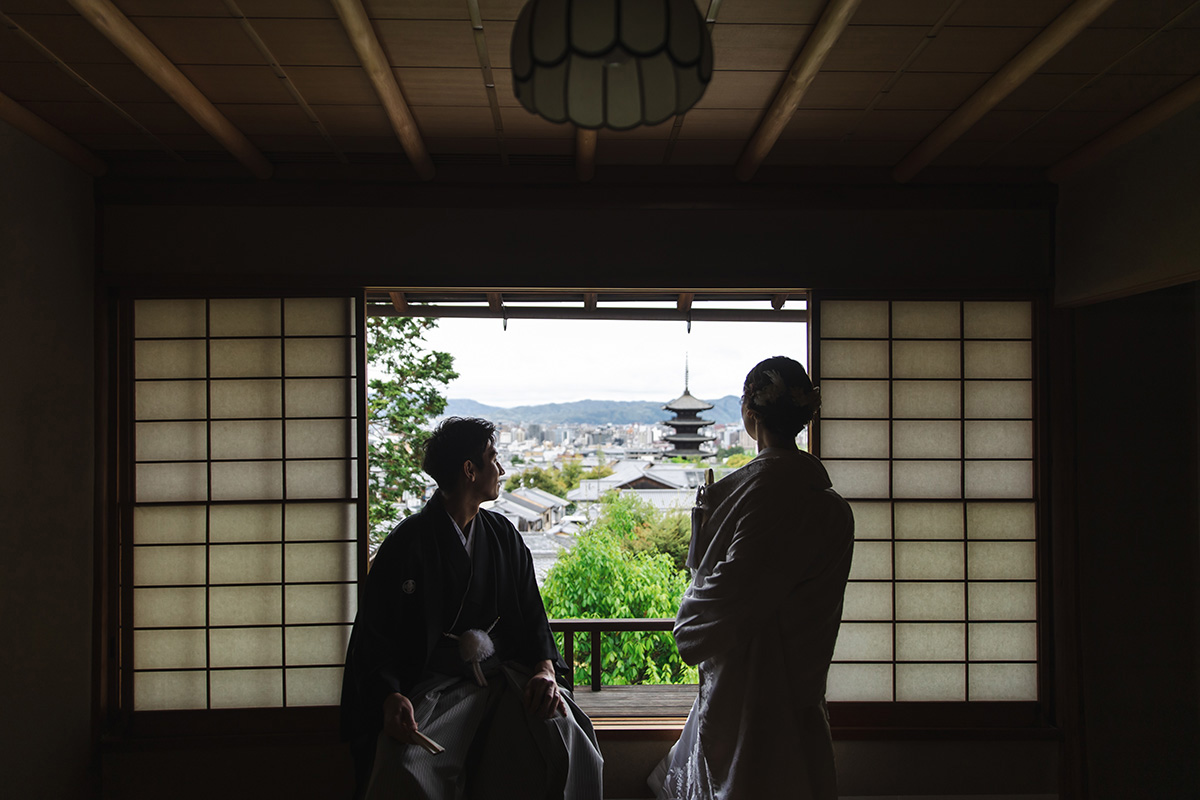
558,361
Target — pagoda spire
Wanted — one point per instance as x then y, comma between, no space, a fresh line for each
685,373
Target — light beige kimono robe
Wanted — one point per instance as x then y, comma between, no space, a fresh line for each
770,554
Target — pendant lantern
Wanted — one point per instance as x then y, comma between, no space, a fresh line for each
610,63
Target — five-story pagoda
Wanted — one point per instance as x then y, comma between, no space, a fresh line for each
687,438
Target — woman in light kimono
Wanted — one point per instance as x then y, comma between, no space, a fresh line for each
770,554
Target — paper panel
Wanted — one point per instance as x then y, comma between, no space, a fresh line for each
998,320
309,397
170,565
245,358
309,604
318,316
999,439
317,357
236,398
872,520
321,521
168,524
859,641
169,358
319,438
855,319
998,399
246,647
162,691
859,479
1001,561
168,608
246,605
247,688
314,687
942,641
259,522
168,318
853,399
926,399
998,360
170,400
925,320
867,601
926,360
1003,641
246,439
929,560
169,649
1001,521
929,521
1002,601
931,682
926,439
927,479
325,561
244,316
1002,682
854,439
859,682
930,601
872,561
318,644
171,483
986,479
245,563
171,441
247,480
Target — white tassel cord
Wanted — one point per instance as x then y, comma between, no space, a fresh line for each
475,646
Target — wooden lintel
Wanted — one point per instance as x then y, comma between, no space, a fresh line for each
777,301
116,27
1127,130
49,136
399,302
589,301
585,154
370,53
1053,38
833,22
685,301
495,301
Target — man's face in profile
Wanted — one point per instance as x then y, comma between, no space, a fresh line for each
488,483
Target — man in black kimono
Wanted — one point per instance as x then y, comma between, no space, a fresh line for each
451,643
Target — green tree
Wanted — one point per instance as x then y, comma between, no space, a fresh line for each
738,460
548,480
407,390
571,470
726,452
668,533
607,574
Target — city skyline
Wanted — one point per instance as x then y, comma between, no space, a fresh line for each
561,361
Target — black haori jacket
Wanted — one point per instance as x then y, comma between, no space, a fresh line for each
415,586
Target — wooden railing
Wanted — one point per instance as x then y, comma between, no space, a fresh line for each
595,627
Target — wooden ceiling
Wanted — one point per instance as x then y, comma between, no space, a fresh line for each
287,77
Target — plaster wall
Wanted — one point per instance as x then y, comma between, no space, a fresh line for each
46,471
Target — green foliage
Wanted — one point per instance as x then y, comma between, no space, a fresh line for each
726,452
538,478
408,392
571,470
738,460
610,574
517,460
668,534
601,470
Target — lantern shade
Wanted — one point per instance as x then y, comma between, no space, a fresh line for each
610,63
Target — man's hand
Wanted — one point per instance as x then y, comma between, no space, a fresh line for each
399,722
542,697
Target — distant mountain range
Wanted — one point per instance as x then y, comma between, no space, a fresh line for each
591,412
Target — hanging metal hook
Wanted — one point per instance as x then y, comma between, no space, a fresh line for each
689,321
504,318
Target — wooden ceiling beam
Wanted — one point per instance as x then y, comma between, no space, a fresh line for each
585,154
1127,130
49,136
399,302
777,301
116,27
833,22
495,301
1053,38
684,303
379,70
589,300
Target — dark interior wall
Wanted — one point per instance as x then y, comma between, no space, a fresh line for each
1130,223
568,236
1139,543
46,471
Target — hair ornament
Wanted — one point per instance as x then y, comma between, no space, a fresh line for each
777,388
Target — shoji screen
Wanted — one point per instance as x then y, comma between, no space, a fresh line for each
927,429
240,564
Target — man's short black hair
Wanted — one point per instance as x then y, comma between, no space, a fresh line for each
454,441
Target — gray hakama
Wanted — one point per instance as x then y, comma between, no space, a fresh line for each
770,554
